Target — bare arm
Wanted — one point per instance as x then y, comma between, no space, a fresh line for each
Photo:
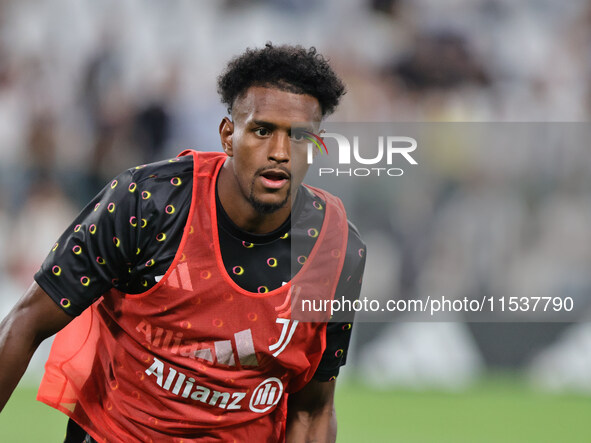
311,415
34,318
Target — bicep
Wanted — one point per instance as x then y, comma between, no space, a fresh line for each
37,316
34,318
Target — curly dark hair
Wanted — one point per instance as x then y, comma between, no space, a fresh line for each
288,68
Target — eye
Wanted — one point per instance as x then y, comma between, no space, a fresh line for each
297,135
262,132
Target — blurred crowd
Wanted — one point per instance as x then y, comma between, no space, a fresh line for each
88,89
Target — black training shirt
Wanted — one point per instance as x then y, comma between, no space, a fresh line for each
127,237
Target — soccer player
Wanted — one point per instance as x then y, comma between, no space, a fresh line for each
172,290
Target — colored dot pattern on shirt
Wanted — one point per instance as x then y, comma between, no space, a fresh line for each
273,267
262,263
154,198
108,230
205,275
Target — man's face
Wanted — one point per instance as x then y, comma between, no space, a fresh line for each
267,159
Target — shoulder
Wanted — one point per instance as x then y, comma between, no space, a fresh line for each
319,197
169,168
355,243
356,247
144,188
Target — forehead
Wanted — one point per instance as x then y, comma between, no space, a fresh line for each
276,106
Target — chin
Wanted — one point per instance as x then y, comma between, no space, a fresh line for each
268,206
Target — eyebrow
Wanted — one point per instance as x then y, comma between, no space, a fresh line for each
302,127
265,123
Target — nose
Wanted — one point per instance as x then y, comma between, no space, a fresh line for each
280,148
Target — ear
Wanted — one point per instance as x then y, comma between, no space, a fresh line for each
226,131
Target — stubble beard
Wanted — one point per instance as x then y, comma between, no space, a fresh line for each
267,208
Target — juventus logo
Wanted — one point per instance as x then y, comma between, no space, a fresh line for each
285,336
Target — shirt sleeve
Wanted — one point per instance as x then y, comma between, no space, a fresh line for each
124,239
94,253
338,330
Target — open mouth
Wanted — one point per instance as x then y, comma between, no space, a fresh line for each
274,178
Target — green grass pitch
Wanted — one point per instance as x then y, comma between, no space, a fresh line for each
495,410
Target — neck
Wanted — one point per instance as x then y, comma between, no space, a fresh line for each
241,211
